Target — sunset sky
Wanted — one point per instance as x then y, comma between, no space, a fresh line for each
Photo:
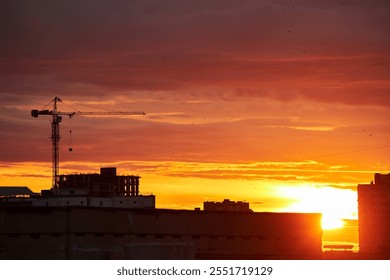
284,104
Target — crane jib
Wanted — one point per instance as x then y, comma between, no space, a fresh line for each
36,113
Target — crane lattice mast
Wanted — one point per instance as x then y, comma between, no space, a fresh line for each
55,132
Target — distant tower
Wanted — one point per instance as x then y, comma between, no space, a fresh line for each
374,217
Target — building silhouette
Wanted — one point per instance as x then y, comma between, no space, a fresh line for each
105,184
105,189
227,205
118,233
374,217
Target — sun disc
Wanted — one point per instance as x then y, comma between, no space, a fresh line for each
329,223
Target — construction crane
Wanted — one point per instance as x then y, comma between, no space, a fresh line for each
55,131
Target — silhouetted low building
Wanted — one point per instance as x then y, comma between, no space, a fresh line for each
113,233
8,191
226,205
374,217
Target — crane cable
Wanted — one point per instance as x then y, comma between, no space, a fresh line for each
70,149
100,108
76,110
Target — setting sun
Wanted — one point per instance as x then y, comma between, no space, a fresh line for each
329,222
335,204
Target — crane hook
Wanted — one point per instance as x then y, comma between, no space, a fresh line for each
70,141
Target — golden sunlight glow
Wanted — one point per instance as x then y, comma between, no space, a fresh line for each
329,222
333,203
